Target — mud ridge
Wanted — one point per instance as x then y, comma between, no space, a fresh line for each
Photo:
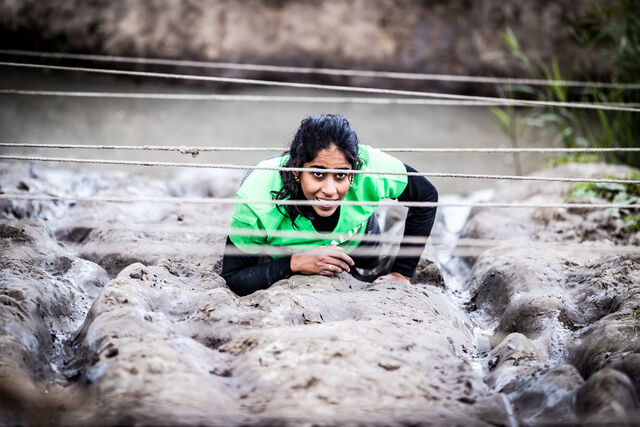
120,325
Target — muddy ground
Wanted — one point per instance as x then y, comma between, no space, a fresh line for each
115,314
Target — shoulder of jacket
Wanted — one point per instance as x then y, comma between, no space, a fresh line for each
259,184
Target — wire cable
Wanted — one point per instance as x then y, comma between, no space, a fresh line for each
233,80
205,230
150,249
234,201
194,150
290,169
323,71
277,98
260,98
461,246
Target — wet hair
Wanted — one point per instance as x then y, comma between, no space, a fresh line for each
315,134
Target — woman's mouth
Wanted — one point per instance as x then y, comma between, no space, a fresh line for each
326,207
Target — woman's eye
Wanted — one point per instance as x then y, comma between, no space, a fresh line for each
318,174
341,175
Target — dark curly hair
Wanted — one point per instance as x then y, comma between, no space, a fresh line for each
315,133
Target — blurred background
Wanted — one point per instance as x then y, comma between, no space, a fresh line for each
501,38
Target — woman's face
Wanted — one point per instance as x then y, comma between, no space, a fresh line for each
326,186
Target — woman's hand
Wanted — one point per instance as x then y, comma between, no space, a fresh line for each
393,277
325,260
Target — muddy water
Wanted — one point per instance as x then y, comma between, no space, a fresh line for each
139,122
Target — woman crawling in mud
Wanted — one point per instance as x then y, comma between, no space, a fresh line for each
329,232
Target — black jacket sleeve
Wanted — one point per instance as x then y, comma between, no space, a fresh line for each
244,274
419,220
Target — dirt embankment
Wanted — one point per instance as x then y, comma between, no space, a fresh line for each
455,37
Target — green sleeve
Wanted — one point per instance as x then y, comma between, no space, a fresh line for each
387,186
245,220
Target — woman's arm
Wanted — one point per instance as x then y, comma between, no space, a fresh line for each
419,220
244,275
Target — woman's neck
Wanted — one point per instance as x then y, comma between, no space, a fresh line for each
326,224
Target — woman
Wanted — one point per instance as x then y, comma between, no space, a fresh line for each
321,142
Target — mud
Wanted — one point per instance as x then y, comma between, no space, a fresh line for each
566,313
116,314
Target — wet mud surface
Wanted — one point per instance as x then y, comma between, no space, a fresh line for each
116,314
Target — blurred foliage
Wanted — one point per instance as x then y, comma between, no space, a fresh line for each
634,223
612,192
635,314
614,29
627,194
574,158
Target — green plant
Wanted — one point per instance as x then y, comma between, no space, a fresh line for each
615,26
634,223
614,29
557,160
635,314
512,127
559,123
613,192
626,194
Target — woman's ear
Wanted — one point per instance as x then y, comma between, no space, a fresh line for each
296,178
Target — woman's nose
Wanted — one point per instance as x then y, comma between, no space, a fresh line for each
329,186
